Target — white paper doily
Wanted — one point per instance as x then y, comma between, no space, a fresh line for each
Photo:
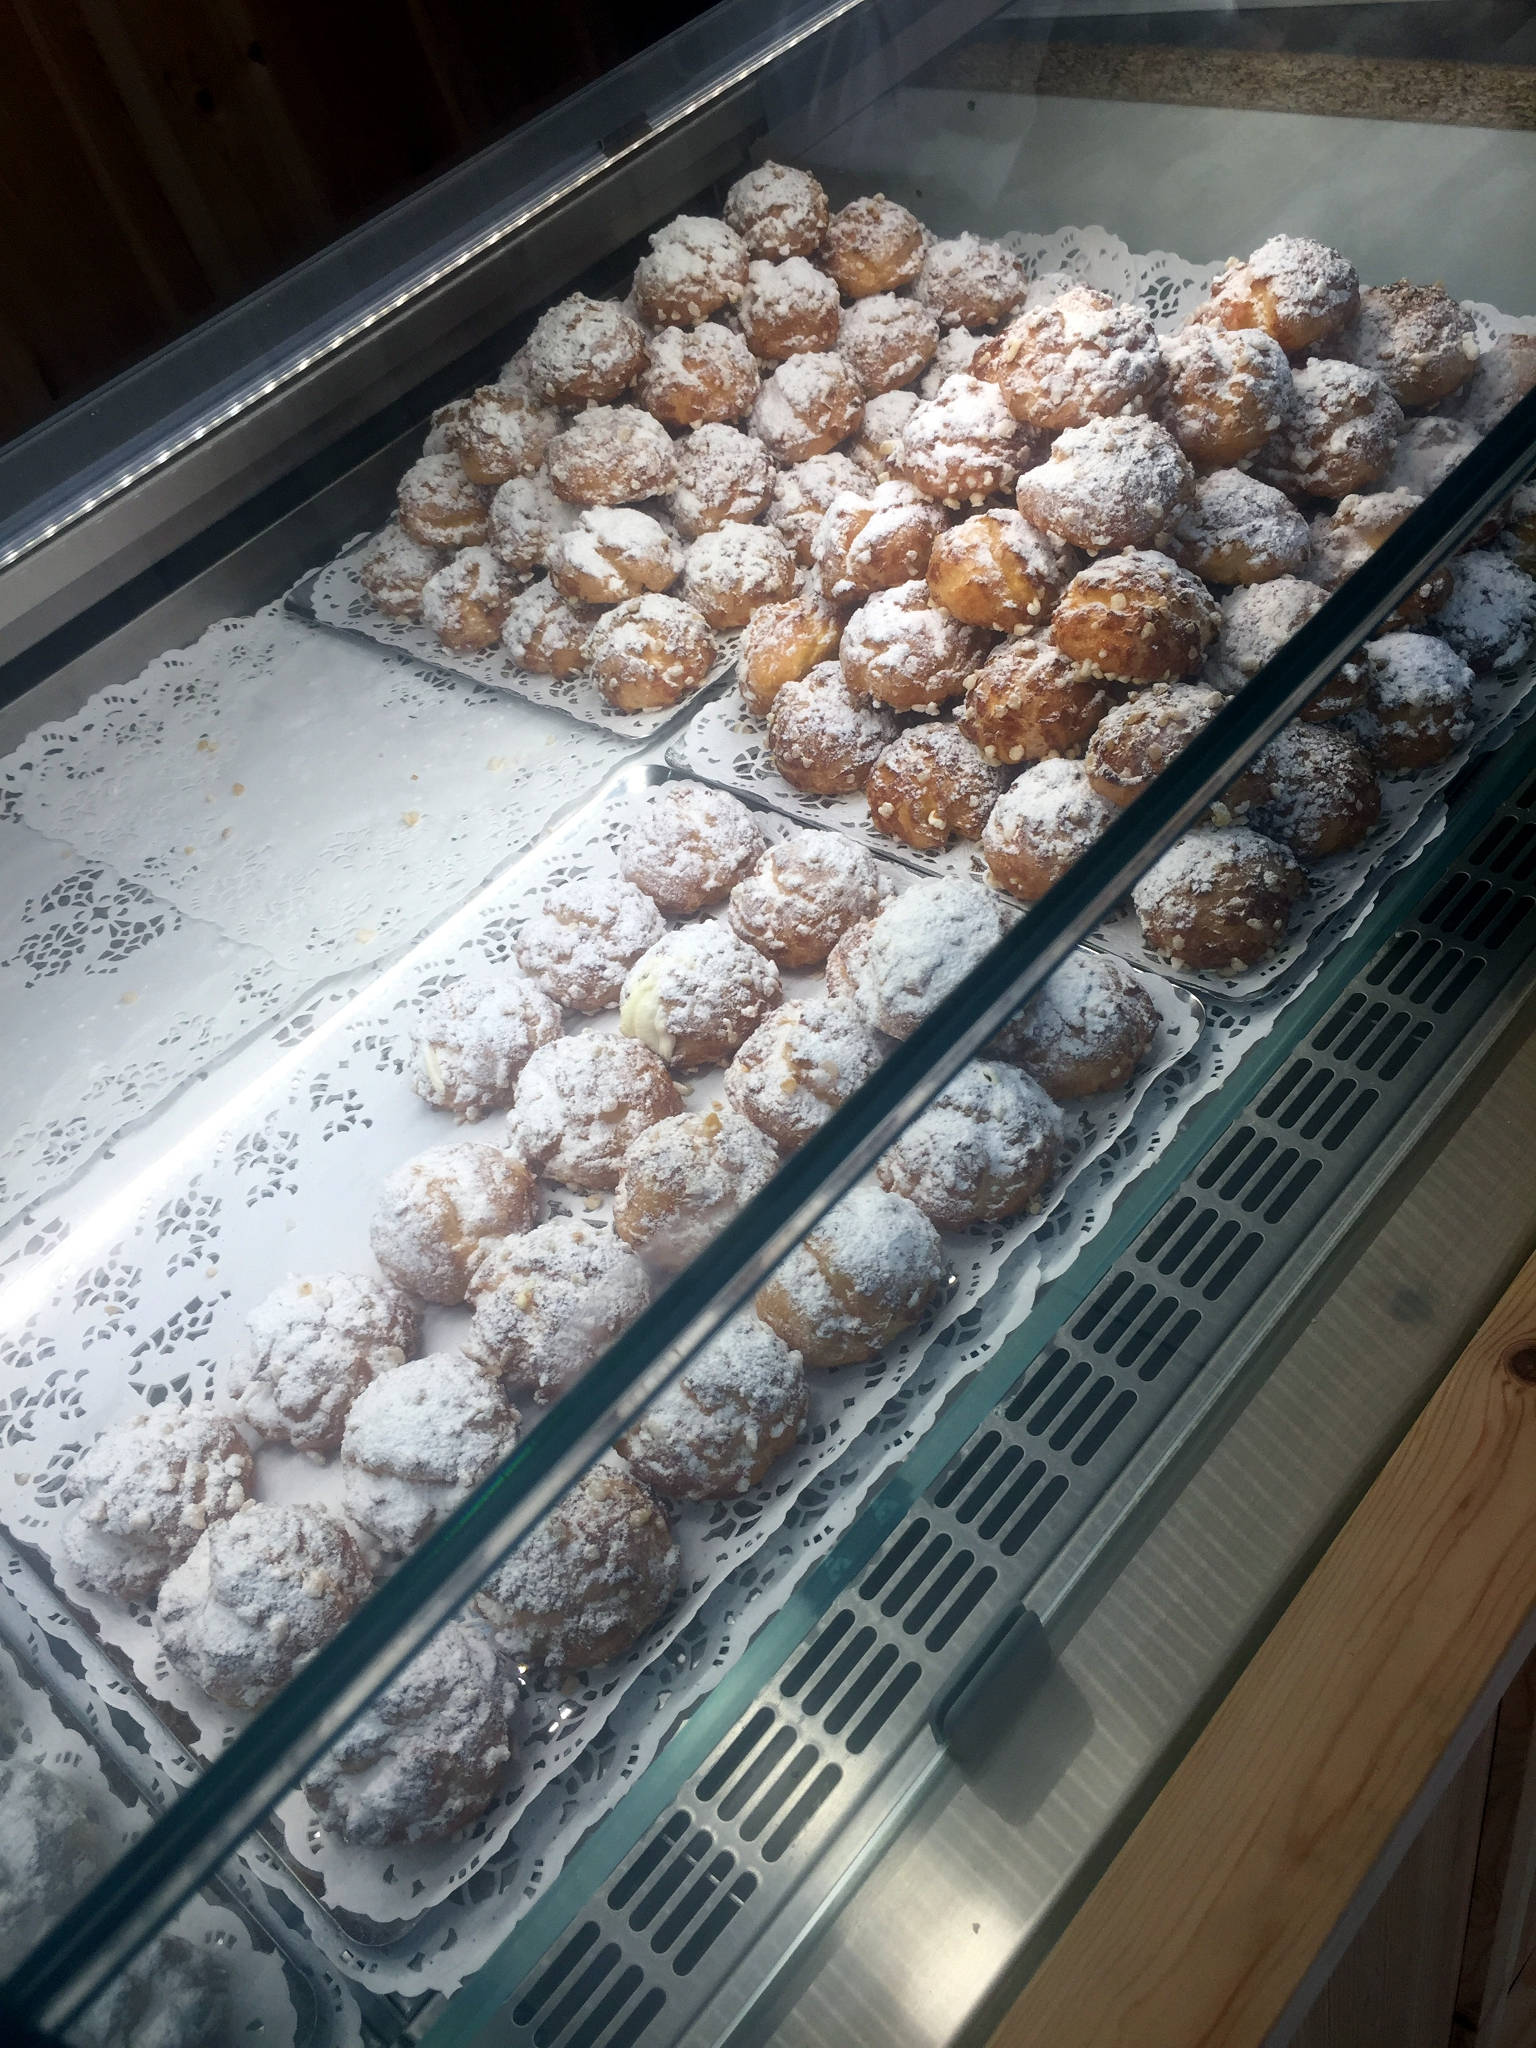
110,998
337,600
194,850
303,793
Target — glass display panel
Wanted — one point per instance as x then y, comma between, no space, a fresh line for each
1093,649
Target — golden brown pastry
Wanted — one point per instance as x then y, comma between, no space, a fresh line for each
1490,616
544,634
782,642
696,374
809,404
886,341
968,282
802,493
147,1488
688,846
472,1039
902,650
996,570
1501,376
778,211
1116,483
611,455
696,994
1419,702
259,1594
728,573
864,1274
526,515
1086,1032
803,895
789,309
899,967
589,1579
395,571
1227,391
1028,702
695,266
963,445
684,1180
1350,534
503,434
873,542
1078,357
885,419
440,507
466,602
1256,621
582,1102
1240,531
986,1147
418,1441
434,1211
1421,344
1219,898
584,352
549,1303
1039,826
1338,436
650,652
1137,617
872,245
1296,290
316,1342
583,939
722,474
799,1066
932,784
613,552
725,1422
1137,740
824,737
1323,793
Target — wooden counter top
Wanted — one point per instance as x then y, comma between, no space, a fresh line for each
1250,1871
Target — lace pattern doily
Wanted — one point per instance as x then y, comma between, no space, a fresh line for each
320,800
195,850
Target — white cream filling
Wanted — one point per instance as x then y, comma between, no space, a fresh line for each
640,1014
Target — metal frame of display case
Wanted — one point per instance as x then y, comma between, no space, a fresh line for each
358,364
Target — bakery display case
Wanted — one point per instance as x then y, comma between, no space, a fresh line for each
737,852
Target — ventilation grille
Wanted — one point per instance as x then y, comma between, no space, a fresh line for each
701,1885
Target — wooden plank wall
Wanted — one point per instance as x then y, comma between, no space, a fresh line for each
160,158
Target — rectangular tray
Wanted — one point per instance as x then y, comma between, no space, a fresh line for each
150,1306
334,598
